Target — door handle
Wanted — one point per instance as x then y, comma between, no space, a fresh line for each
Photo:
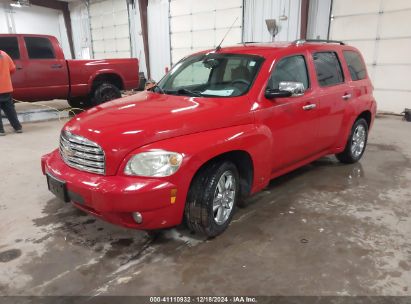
56,66
346,96
309,107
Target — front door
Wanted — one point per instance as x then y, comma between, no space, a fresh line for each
292,120
46,74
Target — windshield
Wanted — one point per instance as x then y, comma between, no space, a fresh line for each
211,75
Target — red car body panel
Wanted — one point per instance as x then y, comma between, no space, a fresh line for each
277,135
58,78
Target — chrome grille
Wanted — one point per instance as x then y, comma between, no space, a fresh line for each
80,153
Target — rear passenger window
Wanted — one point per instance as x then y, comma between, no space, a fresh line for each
39,48
328,69
10,46
290,69
355,65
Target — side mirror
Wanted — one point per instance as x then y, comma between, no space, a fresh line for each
276,93
286,89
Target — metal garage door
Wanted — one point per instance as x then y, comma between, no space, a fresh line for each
199,24
110,30
381,29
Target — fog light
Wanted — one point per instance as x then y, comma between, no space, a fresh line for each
137,217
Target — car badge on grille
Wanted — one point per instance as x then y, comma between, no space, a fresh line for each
67,151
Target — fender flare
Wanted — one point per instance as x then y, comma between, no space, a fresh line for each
93,77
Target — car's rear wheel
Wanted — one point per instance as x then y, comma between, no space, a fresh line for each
105,92
356,144
212,198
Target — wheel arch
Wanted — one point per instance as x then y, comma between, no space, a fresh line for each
367,116
348,123
108,76
244,163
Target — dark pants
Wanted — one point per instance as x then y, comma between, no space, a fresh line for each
7,105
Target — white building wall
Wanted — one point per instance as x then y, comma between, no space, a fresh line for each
3,19
382,31
137,42
318,19
64,42
257,11
80,24
158,37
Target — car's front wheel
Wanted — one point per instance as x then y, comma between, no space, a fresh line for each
212,198
356,144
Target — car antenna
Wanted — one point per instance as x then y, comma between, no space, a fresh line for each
219,46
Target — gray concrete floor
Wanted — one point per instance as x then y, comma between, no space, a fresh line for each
325,229
40,111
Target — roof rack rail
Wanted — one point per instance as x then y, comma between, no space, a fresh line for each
302,41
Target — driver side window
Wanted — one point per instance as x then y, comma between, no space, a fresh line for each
293,69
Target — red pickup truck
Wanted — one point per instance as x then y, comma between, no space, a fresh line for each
218,127
44,74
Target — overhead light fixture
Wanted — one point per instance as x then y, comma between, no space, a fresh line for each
20,3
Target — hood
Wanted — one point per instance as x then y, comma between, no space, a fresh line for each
125,124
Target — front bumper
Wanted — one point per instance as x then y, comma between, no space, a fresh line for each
114,198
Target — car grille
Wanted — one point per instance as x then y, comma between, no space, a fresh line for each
80,153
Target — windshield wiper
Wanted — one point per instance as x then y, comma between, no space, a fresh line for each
188,92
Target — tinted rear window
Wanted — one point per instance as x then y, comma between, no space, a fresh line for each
10,46
39,48
355,65
328,69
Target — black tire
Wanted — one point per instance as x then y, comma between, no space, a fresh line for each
77,102
105,92
199,215
348,156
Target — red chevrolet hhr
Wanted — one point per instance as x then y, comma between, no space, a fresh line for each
218,127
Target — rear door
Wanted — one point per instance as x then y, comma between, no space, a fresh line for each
333,95
46,71
10,45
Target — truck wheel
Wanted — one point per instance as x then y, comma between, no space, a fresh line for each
356,144
212,199
105,92
76,103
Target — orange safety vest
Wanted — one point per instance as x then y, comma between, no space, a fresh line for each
7,68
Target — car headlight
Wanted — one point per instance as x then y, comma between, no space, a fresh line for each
154,164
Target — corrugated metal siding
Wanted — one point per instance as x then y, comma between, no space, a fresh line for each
80,24
257,11
318,19
137,43
158,37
